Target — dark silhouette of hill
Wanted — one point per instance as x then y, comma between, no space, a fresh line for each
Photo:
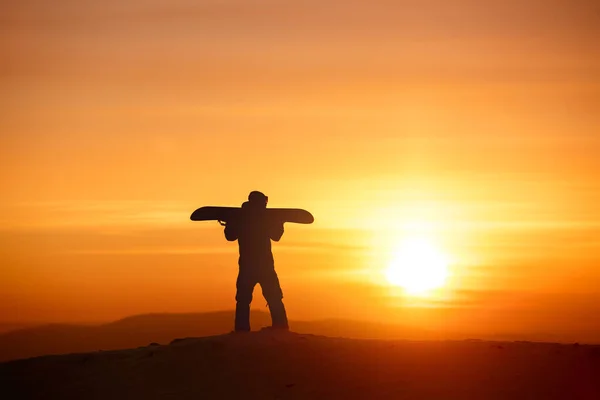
286,365
142,330
128,332
7,327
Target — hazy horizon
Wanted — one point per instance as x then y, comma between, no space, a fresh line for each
473,125
346,327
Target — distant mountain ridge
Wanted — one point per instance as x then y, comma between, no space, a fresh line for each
140,330
162,328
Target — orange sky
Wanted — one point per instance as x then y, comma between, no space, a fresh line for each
474,122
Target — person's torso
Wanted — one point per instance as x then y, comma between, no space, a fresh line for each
254,238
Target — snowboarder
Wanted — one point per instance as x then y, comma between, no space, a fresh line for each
254,233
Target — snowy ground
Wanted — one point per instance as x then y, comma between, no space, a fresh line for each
271,365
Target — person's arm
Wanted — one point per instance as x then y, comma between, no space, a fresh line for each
231,232
276,231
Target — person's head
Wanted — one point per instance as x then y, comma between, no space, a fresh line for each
258,199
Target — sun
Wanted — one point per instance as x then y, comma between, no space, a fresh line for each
418,267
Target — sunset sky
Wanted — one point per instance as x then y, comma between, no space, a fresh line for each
473,124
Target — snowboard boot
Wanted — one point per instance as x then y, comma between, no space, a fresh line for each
279,319
242,317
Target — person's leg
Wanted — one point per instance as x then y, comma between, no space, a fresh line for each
245,286
272,292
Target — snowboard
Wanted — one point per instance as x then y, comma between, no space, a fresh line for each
225,214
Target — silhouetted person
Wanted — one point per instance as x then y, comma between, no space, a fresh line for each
254,233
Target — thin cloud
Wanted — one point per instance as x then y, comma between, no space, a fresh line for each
153,251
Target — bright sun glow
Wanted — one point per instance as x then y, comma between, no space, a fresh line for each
418,267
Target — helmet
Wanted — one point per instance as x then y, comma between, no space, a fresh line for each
256,197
